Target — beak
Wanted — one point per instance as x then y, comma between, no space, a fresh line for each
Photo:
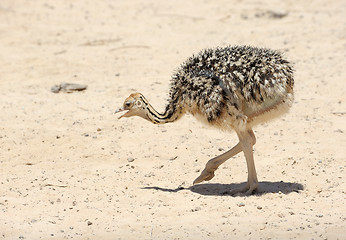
120,110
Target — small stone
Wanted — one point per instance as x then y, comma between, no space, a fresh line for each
21,237
68,87
89,223
319,215
55,88
277,13
196,209
98,129
130,159
240,204
151,174
259,207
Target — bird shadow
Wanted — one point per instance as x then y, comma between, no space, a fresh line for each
217,189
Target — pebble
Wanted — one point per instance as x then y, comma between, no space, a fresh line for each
68,87
259,207
277,13
196,209
151,174
240,204
89,223
130,159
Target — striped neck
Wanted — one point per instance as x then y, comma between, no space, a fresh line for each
170,115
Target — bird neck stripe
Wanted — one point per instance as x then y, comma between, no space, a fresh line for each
153,115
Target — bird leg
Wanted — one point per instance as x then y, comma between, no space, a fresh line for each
246,142
213,164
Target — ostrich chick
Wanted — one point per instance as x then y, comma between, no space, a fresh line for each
231,88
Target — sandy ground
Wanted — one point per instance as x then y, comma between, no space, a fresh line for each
66,168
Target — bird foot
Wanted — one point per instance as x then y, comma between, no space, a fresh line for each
206,175
247,190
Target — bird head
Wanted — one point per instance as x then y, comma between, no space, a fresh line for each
135,105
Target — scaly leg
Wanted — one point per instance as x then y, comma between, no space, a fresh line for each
213,164
245,140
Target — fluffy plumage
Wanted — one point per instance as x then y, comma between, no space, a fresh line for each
233,87
238,81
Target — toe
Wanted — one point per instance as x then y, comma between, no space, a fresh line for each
205,176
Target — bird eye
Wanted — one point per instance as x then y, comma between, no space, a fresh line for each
127,104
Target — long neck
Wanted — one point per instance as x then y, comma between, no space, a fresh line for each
172,113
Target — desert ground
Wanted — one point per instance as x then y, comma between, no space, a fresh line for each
69,169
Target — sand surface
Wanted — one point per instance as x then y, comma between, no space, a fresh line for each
70,169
